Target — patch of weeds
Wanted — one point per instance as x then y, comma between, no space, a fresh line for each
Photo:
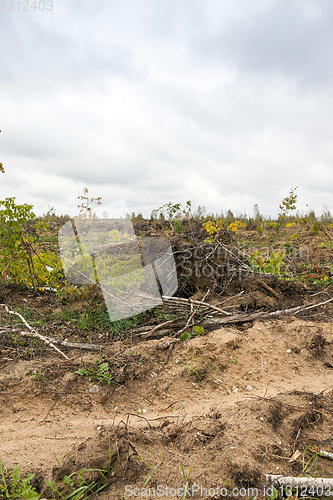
164,315
97,372
271,264
13,374
151,470
39,375
210,366
119,326
193,354
67,315
197,330
179,228
325,244
186,479
14,487
150,360
121,371
193,371
232,358
83,488
311,464
275,493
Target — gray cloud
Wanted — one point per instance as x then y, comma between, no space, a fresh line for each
225,103
290,39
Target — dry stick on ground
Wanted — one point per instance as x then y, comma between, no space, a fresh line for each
192,314
269,289
93,347
262,314
158,327
181,301
196,302
299,482
299,308
33,331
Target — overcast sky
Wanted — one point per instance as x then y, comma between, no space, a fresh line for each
226,103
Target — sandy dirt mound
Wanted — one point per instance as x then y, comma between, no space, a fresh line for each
233,405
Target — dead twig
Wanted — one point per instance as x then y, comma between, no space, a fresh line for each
294,482
269,289
34,333
158,327
192,314
139,416
262,314
77,345
196,302
298,309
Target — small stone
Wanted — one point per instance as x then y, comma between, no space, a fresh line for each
235,389
288,351
177,361
261,418
144,410
99,428
94,389
249,388
166,388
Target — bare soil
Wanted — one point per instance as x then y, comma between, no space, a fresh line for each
233,404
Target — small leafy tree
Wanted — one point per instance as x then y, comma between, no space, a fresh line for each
175,214
212,229
85,208
17,241
288,205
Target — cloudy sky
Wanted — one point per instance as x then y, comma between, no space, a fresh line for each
227,103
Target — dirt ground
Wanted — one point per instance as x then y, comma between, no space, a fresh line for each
224,408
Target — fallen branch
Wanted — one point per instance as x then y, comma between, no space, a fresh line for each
299,308
261,314
196,302
326,454
269,289
192,314
76,345
158,327
299,482
33,331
